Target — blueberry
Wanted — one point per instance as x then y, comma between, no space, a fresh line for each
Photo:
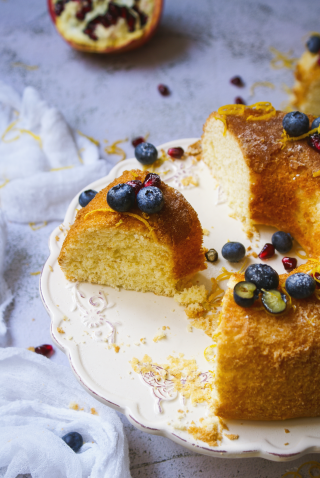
233,251
146,153
315,123
274,301
150,199
86,197
295,123
282,241
262,275
313,44
74,440
121,197
245,293
211,255
300,285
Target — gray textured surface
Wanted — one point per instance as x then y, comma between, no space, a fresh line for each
198,48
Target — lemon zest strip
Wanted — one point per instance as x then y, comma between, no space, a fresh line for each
63,167
127,214
94,141
297,474
25,66
208,353
231,110
224,121
266,84
300,255
120,222
35,228
6,131
34,136
282,60
5,183
35,273
114,149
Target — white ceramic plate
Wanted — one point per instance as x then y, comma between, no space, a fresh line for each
87,313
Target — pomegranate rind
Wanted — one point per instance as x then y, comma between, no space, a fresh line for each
130,45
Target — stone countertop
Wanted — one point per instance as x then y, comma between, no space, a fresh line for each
197,49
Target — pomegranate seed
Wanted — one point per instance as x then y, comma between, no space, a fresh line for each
131,21
163,90
176,153
316,275
267,251
136,184
239,101
137,140
152,179
314,141
289,263
58,8
114,10
237,81
46,350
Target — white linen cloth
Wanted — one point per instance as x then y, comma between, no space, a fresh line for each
43,163
34,414
5,294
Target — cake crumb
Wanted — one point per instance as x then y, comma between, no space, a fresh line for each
249,248
189,328
60,330
57,238
160,336
164,327
205,232
116,348
70,337
136,343
231,436
93,411
190,180
50,267
286,444
286,430
66,319
143,340
73,406
31,349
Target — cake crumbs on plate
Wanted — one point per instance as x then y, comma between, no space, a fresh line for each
143,340
231,436
57,238
286,430
205,232
93,411
160,336
60,330
50,267
116,348
31,349
286,444
190,180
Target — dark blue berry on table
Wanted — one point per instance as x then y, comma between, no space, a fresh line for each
233,251
313,44
274,301
74,440
150,200
121,197
315,123
152,179
245,294
237,81
146,153
86,197
136,185
262,275
300,285
282,241
295,123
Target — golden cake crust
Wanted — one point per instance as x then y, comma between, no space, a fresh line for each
284,193
268,366
176,225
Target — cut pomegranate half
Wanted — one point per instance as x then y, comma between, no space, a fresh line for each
85,35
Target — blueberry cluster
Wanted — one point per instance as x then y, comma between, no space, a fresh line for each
147,195
297,124
262,279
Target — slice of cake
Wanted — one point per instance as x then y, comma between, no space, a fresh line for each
156,252
267,366
306,89
268,178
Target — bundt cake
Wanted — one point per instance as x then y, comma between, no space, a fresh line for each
268,177
150,253
306,89
267,367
